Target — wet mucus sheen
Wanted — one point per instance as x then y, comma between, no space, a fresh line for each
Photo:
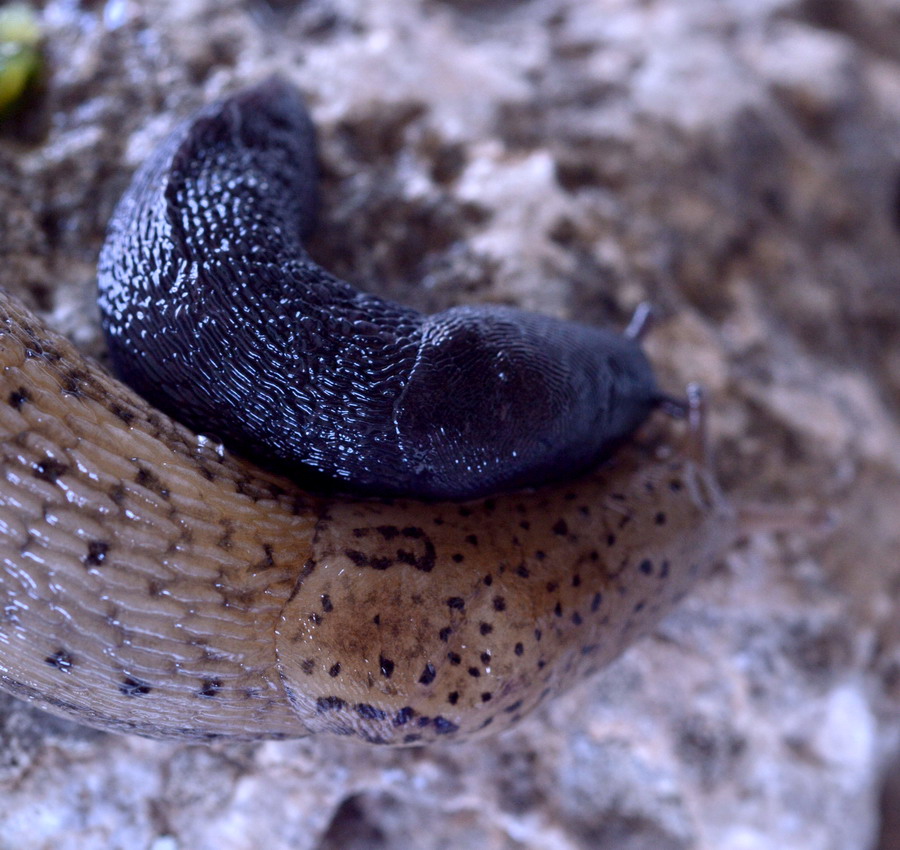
214,311
469,618
149,584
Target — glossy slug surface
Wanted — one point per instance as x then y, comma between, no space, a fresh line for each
214,311
151,584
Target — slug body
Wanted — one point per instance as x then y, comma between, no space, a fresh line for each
149,583
152,583
215,313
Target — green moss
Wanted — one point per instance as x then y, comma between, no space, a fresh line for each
20,56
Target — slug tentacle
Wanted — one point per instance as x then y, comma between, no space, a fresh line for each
214,311
642,321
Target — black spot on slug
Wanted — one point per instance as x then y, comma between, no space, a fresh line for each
369,712
360,559
330,703
149,479
122,413
73,381
50,470
403,716
373,739
210,688
96,554
428,674
18,397
61,660
132,687
445,727
268,560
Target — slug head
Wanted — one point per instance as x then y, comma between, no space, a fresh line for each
499,398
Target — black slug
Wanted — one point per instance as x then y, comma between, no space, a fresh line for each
215,313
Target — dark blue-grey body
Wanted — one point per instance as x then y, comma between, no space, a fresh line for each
214,311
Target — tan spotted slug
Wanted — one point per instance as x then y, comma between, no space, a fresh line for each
152,583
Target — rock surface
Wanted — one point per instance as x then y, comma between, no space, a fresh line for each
734,162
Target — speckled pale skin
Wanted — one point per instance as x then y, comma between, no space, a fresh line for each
152,584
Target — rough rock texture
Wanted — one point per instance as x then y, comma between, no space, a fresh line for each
734,161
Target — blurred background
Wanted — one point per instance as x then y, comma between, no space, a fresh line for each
736,163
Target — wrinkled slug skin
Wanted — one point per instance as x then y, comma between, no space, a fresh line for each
150,584
141,575
418,621
214,312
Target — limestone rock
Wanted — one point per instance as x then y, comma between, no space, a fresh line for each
737,164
